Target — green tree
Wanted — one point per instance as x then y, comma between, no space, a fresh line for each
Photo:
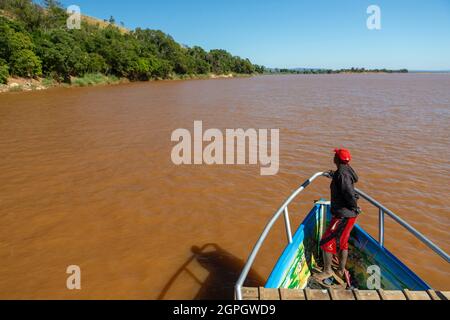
243,66
25,63
160,68
97,64
221,61
139,69
12,40
4,72
200,60
63,56
260,69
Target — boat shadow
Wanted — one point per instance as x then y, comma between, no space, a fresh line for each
223,271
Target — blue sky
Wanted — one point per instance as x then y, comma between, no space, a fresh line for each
415,34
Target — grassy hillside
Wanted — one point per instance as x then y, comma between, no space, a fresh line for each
101,23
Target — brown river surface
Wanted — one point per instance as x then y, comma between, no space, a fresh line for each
86,179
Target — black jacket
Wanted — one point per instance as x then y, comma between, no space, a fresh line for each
343,195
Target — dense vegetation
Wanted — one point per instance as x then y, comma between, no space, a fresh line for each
35,42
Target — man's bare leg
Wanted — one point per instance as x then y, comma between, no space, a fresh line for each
327,270
343,255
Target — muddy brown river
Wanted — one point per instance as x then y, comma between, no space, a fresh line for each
86,179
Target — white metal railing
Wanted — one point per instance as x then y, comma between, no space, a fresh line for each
284,210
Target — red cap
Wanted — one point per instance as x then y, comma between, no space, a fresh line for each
343,155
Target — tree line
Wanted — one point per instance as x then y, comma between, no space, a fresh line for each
331,71
35,42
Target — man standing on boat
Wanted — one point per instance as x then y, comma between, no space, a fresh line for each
344,210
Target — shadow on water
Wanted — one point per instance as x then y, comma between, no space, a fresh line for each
223,271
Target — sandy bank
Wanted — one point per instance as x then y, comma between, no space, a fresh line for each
16,84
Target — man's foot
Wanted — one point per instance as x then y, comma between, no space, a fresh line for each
323,275
341,277
340,274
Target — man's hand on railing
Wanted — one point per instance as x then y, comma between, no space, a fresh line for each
329,173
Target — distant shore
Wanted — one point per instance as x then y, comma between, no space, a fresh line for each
333,71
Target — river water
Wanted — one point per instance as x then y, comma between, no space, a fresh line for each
86,179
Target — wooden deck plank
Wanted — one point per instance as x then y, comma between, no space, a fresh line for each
366,294
269,294
250,293
394,295
341,294
433,295
381,294
336,294
407,294
292,294
416,295
313,294
446,294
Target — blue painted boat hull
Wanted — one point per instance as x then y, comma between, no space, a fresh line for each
366,258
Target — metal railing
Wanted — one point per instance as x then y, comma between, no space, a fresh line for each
284,210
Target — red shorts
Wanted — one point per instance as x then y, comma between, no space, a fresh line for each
337,234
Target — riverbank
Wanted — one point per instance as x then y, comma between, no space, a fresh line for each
17,84
49,49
